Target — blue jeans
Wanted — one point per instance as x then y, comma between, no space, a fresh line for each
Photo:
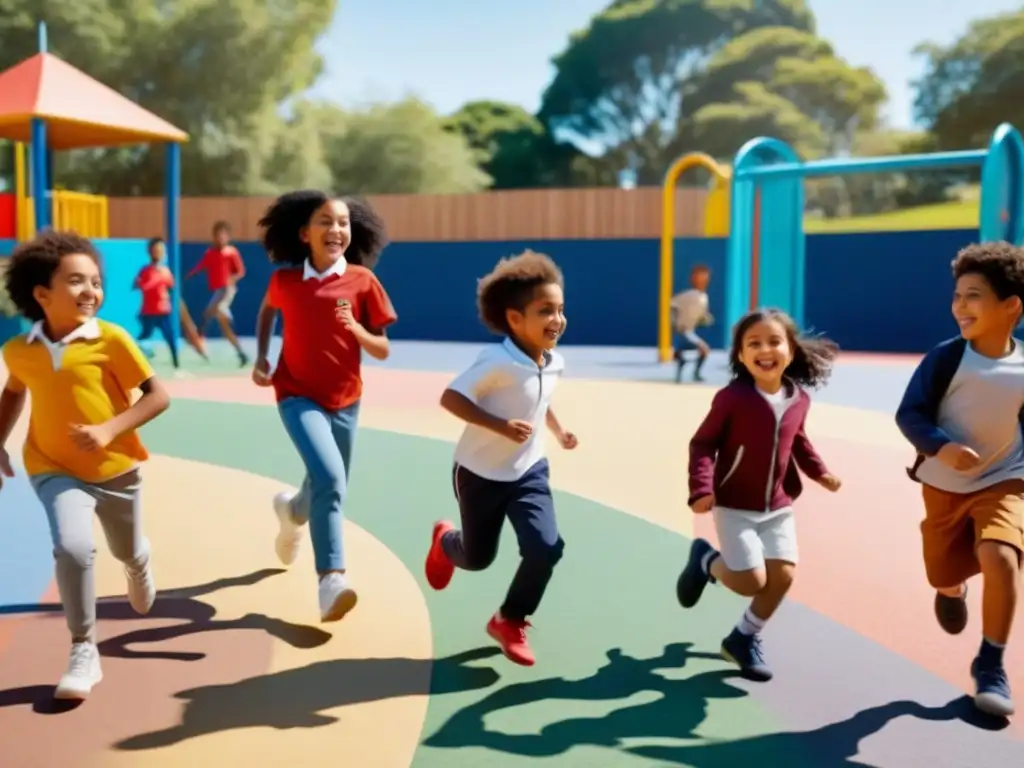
324,441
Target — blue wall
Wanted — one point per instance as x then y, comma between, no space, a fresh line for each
877,291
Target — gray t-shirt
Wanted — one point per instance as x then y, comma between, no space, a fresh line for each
980,410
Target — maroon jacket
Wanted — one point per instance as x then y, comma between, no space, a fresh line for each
738,455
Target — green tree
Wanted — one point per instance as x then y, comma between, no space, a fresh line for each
218,69
974,84
782,82
620,82
516,150
397,148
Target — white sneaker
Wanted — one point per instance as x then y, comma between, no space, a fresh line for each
83,673
336,597
290,536
141,590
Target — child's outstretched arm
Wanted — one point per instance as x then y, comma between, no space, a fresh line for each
565,438
810,462
704,447
918,412
464,409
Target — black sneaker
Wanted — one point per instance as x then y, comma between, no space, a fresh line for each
951,612
694,578
745,652
992,689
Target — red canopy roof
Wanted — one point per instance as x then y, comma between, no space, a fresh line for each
79,112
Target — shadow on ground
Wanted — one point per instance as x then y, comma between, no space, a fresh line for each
182,606
677,714
298,698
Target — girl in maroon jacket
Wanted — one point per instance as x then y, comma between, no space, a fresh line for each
743,470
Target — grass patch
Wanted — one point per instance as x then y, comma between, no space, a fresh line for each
952,215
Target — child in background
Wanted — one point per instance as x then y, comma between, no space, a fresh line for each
743,469
224,269
155,281
83,452
500,466
689,310
962,411
333,309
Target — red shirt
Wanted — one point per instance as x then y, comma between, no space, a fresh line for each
320,358
221,264
155,282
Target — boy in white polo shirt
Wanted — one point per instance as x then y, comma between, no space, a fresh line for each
500,466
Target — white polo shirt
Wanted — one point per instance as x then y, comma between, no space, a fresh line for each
506,383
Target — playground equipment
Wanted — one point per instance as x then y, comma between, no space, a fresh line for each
766,246
86,214
716,224
49,105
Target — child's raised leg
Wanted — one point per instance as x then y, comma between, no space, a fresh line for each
324,441
757,560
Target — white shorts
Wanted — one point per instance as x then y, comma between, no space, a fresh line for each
747,539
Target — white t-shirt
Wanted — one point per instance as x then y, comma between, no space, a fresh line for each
506,383
689,308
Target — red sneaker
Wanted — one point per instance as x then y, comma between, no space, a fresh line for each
439,568
511,636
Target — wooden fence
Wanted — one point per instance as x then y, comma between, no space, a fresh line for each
542,214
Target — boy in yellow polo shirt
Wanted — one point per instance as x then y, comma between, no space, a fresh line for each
82,451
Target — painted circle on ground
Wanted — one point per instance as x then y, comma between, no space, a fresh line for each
232,662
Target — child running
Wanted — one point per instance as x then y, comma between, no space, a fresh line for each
689,310
333,308
962,411
224,269
500,466
155,282
743,469
83,452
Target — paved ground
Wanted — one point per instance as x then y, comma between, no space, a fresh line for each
232,668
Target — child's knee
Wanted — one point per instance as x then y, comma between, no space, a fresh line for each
544,552
999,560
780,574
76,554
749,583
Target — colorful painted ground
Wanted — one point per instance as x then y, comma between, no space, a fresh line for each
233,669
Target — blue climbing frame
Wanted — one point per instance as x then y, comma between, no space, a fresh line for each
765,260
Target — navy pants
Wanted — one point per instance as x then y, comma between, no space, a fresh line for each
162,323
527,503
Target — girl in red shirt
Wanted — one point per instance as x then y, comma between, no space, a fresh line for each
333,309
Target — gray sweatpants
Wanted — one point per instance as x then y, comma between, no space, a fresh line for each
70,504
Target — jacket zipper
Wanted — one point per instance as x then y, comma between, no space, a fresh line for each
771,467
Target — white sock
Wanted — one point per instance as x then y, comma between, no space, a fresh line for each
705,562
749,624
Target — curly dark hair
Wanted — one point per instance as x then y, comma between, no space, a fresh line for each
511,285
812,355
284,220
34,264
1001,264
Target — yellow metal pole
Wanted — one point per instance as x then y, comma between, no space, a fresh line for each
668,224
20,193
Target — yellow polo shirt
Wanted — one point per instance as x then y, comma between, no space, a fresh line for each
85,378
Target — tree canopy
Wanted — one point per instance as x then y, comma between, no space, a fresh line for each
974,84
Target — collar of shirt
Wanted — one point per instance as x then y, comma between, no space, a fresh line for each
521,357
87,330
309,271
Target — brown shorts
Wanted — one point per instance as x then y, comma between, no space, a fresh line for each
955,523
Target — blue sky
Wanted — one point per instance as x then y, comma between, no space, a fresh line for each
448,52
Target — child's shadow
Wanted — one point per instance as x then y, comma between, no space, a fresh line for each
677,712
193,617
297,698
832,746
